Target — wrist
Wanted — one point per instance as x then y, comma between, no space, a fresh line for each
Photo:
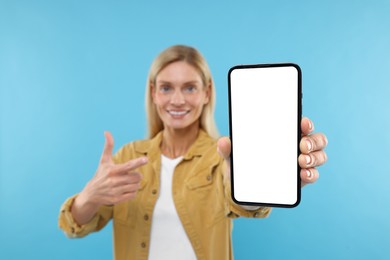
82,209
85,200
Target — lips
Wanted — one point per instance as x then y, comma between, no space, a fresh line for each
178,113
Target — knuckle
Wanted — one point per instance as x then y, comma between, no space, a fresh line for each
135,177
112,200
111,193
316,142
313,159
128,179
302,161
316,175
109,170
118,199
320,141
324,140
131,195
321,158
303,145
325,157
134,187
110,182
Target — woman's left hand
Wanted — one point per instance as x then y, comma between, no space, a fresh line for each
312,155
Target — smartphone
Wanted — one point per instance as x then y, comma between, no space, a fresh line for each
265,110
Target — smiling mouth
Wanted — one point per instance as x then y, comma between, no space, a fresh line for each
178,113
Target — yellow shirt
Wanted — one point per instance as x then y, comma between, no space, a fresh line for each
200,192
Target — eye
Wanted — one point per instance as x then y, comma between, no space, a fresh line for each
190,89
165,88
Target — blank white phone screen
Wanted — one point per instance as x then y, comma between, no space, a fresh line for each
264,112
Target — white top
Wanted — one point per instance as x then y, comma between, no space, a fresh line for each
168,238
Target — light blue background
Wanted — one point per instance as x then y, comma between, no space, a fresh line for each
71,69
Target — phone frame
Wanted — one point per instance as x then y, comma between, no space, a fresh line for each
299,118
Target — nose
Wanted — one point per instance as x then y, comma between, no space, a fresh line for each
177,98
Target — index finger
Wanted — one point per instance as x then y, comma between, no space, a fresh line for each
130,165
307,126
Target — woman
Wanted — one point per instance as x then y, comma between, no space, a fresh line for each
169,196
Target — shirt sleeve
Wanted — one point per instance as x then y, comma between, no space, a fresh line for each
73,230
234,210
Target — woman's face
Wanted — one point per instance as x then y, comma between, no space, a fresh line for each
179,96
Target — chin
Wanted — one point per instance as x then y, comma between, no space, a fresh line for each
179,126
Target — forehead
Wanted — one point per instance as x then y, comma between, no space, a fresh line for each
179,71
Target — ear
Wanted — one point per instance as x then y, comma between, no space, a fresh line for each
208,93
152,91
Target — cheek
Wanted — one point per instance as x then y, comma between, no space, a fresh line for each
159,100
201,101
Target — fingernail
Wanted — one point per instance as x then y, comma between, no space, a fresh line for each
308,174
309,145
310,125
308,159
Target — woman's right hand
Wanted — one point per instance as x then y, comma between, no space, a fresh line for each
112,184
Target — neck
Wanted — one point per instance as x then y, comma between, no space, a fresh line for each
176,143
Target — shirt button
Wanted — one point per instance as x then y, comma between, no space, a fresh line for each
209,177
146,217
143,244
154,192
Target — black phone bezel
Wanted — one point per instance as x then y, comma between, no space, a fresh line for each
299,118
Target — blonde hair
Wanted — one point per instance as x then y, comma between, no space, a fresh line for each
195,59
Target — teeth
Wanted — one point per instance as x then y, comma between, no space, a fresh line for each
177,113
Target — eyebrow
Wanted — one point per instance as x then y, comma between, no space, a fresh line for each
187,82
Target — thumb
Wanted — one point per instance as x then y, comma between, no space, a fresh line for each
224,147
108,147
